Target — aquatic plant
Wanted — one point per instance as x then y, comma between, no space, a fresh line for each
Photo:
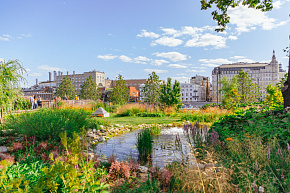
144,145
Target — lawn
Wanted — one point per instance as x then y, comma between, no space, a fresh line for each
114,119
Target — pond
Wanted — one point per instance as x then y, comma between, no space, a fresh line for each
164,149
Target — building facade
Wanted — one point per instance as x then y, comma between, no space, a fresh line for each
79,79
264,74
191,92
131,82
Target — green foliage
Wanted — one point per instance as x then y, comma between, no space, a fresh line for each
146,114
141,187
11,74
89,90
67,88
169,96
201,117
120,94
221,16
48,123
23,103
274,96
240,89
144,145
151,90
269,125
280,84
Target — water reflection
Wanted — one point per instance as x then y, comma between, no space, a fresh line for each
164,150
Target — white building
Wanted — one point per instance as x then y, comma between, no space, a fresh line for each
79,79
191,92
264,74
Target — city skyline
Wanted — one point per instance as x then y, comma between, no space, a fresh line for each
133,38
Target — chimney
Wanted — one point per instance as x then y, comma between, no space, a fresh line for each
49,76
36,82
66,72
58,73
61,74
54,75
74,72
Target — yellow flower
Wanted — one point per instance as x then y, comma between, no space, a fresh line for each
229,139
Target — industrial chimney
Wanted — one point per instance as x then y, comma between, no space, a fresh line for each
54,75
66,72
49,76
36,82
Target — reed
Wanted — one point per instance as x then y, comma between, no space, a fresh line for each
144,145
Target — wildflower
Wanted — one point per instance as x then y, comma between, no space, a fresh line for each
261,189
288,147
280,153
268,154
255,187
256,165
229,139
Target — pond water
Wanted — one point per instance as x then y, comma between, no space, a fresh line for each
164,149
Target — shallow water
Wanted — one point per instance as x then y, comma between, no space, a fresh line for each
164,149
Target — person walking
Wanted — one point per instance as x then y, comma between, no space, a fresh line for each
32,102
35,101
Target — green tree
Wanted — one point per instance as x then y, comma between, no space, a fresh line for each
120,94
170,95
274,96
229,91
151,89
11,74
220,14
240,89
67,88
89,90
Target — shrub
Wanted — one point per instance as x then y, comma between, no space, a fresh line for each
48,123
135,108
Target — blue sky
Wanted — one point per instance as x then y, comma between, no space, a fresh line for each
133,37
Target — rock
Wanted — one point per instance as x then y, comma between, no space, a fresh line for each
102,126
117,125
94,130
102,130
142,169
3,149
101,139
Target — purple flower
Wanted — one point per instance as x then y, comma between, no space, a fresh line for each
288,147
256,165
255,187
268,154
280,153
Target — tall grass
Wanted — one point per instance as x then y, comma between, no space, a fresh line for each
136,108
144,145
204,116
49,123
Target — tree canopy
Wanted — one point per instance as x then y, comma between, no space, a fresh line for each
89,90
11,74
222,6
151,89
67,88
120,94
170,95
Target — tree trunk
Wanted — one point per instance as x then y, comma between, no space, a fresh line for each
286,89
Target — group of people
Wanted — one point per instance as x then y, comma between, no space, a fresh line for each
35,101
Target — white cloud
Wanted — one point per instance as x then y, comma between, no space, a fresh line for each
186,30
50,68
167,41
237,57
195,70
278,4
181,78
245,60
207,40
4,39
155,70
28,35
214,62
176,66
159,62
232,37
141,59
247,19
35,74
169,31
107,57
173,56
125,58
27,70
7,36
200,67
146,34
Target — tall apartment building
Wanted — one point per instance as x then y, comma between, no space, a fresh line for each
204,82
264,74
79,79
